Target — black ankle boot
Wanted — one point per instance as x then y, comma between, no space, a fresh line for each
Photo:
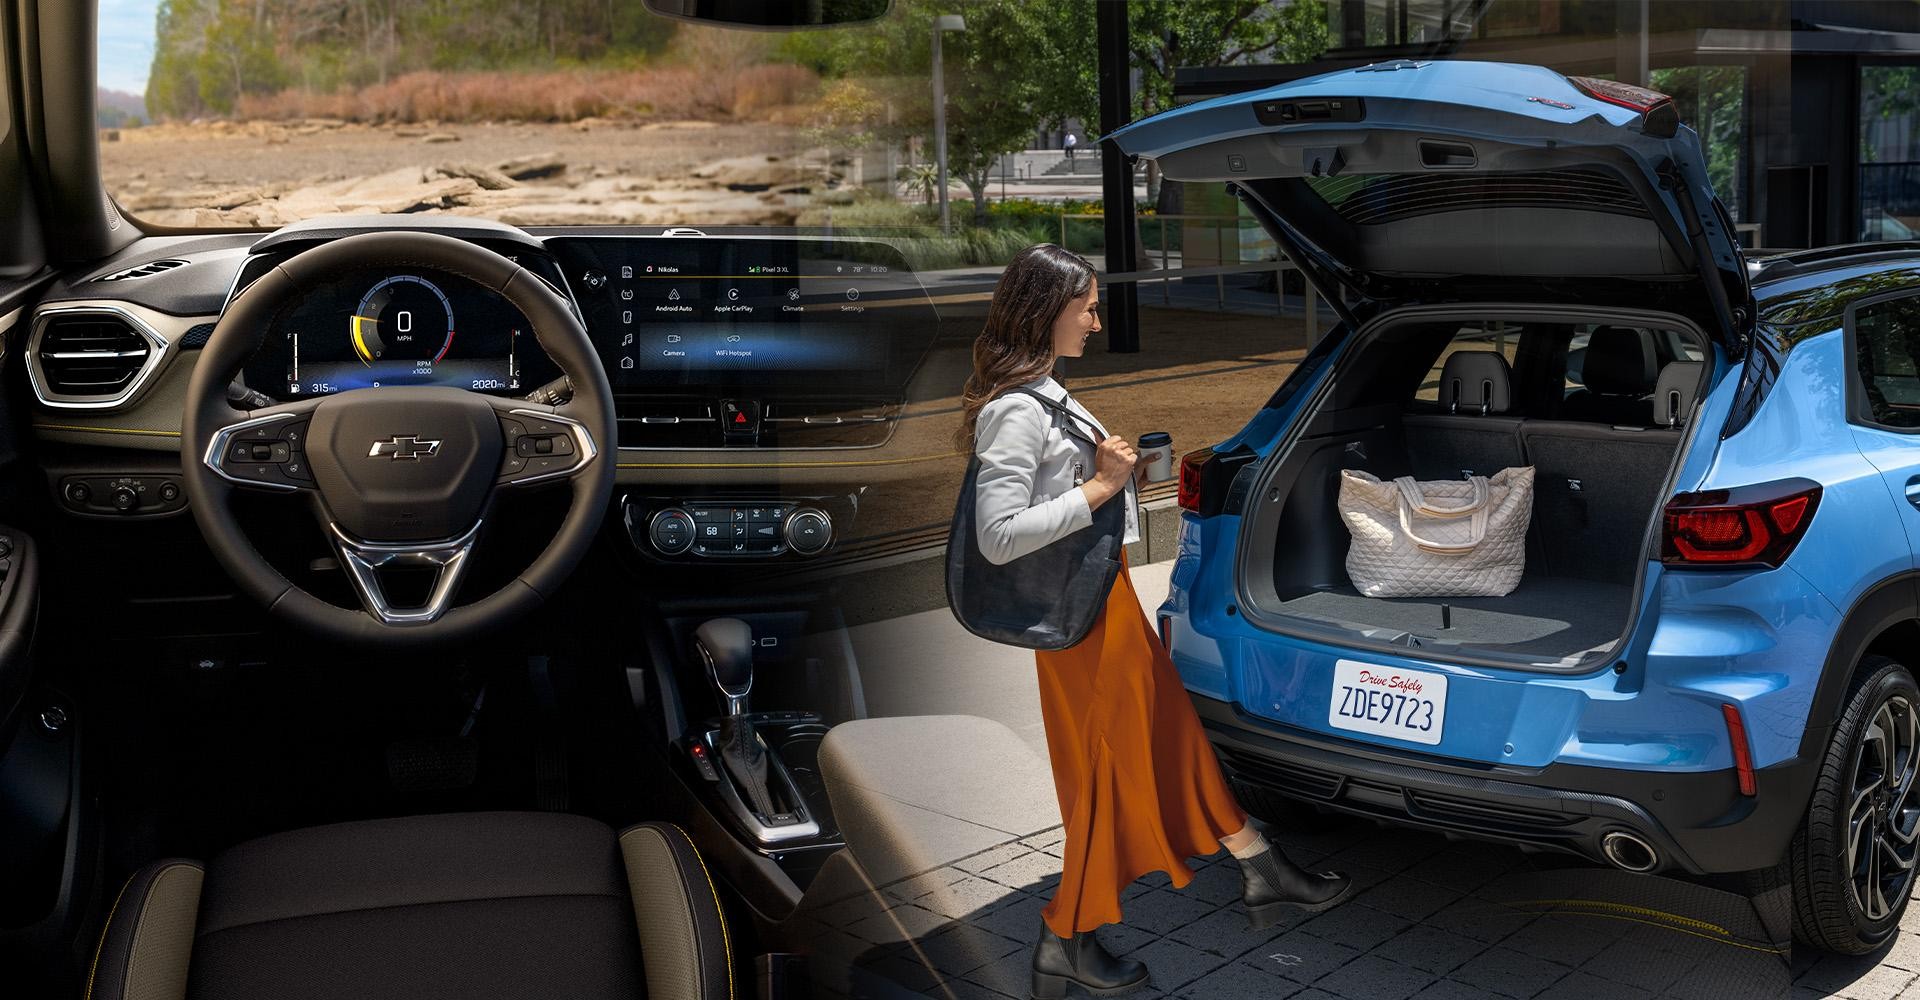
1080,961
1269,883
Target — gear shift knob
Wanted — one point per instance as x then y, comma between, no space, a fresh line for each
725,647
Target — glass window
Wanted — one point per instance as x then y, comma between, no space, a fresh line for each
1886,344
1889,152
1712,100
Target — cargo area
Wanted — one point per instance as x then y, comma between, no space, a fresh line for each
1598,410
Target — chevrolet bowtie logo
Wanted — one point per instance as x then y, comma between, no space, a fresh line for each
407,448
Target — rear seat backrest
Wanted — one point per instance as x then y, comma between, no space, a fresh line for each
1596,485
1620,368
1462,440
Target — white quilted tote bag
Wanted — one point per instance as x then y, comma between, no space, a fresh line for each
1447,538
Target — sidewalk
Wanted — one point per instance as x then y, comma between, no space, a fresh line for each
1433,919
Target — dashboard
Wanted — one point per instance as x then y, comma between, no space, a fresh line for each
373,329
753,373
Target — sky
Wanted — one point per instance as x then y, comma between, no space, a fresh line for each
126,43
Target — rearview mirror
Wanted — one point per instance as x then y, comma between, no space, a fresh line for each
779,15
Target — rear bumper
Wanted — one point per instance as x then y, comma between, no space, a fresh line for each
1696,821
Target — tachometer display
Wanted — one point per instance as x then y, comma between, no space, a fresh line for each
403,318
367,329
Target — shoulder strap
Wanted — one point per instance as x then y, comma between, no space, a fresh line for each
1054,404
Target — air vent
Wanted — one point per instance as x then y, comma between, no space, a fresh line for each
143,270
658,423
90,357
827,423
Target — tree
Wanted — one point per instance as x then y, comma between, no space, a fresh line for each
237,57
1165,36
173,89
1006,75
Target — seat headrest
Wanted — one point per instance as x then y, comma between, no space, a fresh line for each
1673,395
1620,361
1476,382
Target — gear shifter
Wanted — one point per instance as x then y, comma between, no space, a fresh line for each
725,646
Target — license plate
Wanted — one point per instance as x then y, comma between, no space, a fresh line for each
1387,701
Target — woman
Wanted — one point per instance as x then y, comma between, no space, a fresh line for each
1140,789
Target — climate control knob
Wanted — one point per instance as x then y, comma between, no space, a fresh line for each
809,530
671,531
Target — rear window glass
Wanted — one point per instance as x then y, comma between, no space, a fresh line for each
1886,342
1369,199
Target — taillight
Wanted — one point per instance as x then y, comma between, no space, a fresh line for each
1191,465
1743,526
1624,94
1659,117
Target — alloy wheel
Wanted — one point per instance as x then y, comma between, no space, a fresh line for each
1883,815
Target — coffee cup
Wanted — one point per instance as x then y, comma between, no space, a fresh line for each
1156,453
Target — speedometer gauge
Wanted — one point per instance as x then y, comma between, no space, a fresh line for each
403,318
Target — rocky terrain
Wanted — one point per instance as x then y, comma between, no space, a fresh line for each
598,171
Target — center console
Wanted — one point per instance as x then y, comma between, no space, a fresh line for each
676,528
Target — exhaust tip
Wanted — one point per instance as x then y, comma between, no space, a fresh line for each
1628,852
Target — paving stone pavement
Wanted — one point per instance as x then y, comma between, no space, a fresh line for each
1435,920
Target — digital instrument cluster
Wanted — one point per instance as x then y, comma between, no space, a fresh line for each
374,329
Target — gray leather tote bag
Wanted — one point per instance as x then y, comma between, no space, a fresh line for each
1048,598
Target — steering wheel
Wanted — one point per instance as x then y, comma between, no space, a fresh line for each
401,476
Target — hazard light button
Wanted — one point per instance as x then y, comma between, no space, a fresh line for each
740,418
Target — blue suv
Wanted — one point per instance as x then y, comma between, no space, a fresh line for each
1707,666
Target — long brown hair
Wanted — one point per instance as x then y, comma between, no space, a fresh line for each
1016,345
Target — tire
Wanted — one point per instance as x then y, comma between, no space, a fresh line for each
1845,900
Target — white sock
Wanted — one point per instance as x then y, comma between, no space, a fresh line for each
1259,844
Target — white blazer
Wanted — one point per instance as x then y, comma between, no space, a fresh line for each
1026,496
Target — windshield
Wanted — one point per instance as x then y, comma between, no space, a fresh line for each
258,113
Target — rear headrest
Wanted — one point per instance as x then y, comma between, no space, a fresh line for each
1620,361
1673,396
1476,382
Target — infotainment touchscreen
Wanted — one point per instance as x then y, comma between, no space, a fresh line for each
674,310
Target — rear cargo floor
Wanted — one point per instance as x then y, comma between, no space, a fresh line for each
1548,617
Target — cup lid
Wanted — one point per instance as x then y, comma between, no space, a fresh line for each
1154,439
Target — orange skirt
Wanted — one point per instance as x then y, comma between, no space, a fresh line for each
1140,789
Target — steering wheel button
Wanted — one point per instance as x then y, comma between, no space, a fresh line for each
540,465
543,446
295,467
563,444
512,464
544,428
